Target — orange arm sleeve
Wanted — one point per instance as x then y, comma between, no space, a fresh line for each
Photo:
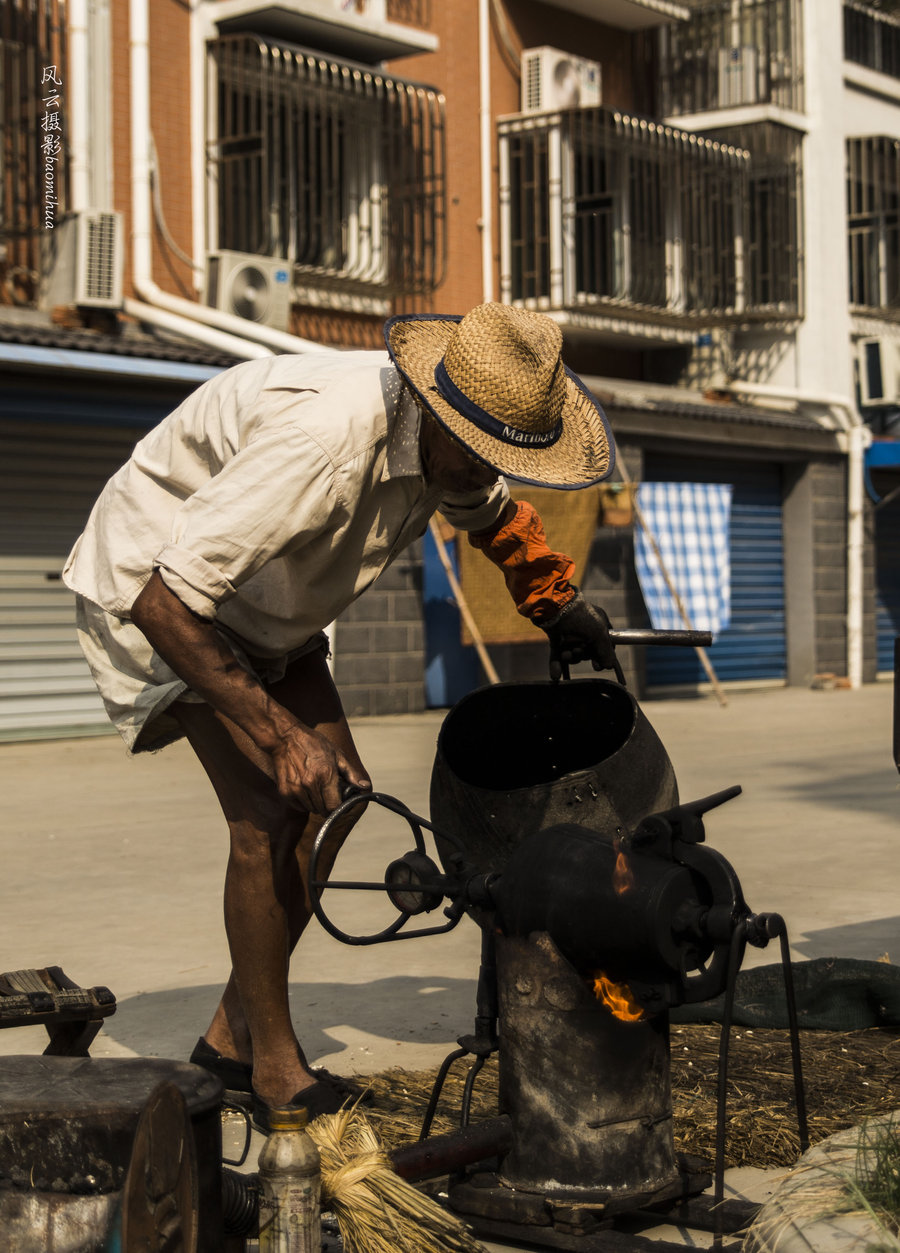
537,577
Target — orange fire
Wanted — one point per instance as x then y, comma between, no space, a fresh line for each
623,876
618,998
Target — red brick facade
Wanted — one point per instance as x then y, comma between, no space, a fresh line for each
453,68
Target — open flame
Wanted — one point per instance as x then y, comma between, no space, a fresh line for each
623,875
618,998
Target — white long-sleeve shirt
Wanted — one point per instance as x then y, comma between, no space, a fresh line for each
269,500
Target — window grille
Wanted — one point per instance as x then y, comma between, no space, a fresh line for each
32,38
772,231
732,53
332,166
602,210
873,223
872,35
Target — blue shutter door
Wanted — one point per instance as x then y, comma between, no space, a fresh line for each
753,646
451,667
887,582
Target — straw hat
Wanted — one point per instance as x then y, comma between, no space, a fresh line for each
495,380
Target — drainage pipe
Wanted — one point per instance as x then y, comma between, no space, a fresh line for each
241,348
189,311
486,222
854,437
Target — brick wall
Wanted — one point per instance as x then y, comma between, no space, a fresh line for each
170,119
870,625
829,558
380,643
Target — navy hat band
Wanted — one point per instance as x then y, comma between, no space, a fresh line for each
486,421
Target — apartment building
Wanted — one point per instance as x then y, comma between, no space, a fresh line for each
703,193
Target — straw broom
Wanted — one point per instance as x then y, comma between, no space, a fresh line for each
376,1210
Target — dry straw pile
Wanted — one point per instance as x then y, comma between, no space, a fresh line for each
849,1076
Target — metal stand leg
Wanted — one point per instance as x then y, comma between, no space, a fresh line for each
480,1045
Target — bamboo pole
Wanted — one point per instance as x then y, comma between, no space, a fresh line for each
462,604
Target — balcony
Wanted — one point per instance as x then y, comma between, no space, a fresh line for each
626,14
610,215
332,167
732,54
369,31
872,36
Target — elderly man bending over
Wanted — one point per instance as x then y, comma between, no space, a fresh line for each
243,525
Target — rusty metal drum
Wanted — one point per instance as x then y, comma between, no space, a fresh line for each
67,1133
517,758
588,1094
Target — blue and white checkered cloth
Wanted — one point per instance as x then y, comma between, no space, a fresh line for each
690,522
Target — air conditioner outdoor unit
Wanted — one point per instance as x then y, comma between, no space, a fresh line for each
738,69
879,371
82,261
252,287
552,79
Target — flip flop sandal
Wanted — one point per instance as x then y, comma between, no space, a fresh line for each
319,1098
238,1076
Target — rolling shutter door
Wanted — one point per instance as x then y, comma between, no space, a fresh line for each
50,476
753,647
887,582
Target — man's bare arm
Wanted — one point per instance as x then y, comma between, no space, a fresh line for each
305,766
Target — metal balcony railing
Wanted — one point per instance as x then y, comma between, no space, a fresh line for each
730,54
873,224
772,219
33,138
872,35
606,212
334,167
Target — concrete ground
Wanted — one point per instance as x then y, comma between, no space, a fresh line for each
112,869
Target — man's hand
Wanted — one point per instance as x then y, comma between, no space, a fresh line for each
581,631
310,772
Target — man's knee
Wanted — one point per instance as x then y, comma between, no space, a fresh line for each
268,833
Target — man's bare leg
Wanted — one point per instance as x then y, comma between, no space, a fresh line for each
266,895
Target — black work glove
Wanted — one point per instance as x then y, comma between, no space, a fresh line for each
581,631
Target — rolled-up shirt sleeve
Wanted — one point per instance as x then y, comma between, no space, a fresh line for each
475,511
276,492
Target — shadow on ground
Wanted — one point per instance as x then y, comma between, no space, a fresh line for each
423,1010
866,941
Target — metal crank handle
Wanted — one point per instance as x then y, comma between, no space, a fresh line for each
352,791
645,635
